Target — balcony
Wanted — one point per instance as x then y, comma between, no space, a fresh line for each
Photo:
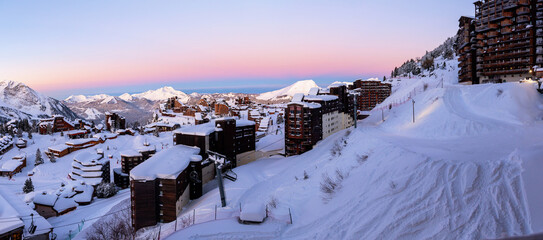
524,2
492,34
523,10
507,22
480,36
523,18
493,26
506,30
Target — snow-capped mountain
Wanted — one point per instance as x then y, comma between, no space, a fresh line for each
134,107
161,94
18,101
286,93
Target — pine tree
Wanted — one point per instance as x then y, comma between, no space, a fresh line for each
39,159
29,186
29,134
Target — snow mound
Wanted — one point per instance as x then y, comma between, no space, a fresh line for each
287,92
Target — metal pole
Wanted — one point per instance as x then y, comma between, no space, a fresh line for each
413,100
355,112
383,114
221,187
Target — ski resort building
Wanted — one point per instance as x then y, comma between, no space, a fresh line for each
370,93
129,160
160,186
502,43
115,121
91,168
227,136
55,124
313,117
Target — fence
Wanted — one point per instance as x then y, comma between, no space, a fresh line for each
209,215
408,96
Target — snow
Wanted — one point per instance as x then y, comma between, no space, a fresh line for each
45,199
320,97
244,123
9,217
289,91
63,204
199,130
162,94
468,168
253,212
10,165
130,153
93,114
166,164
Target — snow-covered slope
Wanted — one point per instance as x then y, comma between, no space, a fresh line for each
286,93
458,172
18,101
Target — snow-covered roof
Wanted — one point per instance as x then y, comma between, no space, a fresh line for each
82,141
59,147
86,158
10,165
320,97
45,199
166,164
307,105
314,91
63,204
130,153
198,130
244,123
10,217
76,132
298,97
8,199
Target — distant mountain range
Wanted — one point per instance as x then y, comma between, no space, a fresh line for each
18,101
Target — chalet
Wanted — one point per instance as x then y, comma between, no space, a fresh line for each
226,136
22,219
129,160
174,104
59,150
90,168
77,144
221,108
6,143
21,143
115,121
75,134
55,124
160,186
162,127
13,166
52,205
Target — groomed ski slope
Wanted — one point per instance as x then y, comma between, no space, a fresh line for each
458,172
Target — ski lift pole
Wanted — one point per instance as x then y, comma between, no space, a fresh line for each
221,186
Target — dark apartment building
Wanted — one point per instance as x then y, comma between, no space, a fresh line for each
503,42
313,117
115,121
370,93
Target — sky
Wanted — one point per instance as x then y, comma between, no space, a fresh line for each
66,47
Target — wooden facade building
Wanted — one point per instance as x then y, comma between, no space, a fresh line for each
502,43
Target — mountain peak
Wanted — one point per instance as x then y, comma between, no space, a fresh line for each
285,93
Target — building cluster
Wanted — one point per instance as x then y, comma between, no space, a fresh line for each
313,117
174,113
115,122
503,42
162,184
